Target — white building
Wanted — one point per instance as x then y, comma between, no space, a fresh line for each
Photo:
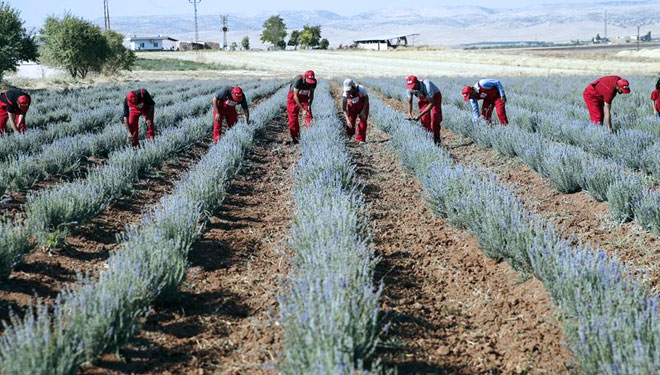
385,43
151,43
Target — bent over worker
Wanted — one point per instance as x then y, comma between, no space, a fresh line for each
138,103
300,97
655,100
224,106
492,93
598,97
355,103
429,103
14,104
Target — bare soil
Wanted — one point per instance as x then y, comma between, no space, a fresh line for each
576,216
223,321
452,310
46,272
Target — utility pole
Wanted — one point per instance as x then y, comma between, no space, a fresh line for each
225,28
106,15
194,3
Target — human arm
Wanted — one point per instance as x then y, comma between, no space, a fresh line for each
13,123
475,109
363,112
608,115
426,110
246,109
216,109
310,101
410,102
126,113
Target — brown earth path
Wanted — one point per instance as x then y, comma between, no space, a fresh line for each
575,215
222,322
45,272
452,310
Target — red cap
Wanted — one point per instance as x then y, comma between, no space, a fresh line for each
24,102
467,91
131,97
237,94
624,85
411,82
310,77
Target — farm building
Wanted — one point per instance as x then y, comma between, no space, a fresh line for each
151,43
386,43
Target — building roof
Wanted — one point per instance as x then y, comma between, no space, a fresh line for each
159,37
384,39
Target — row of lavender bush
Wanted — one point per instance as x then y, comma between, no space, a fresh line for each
100,315
64,154
609,315
329,312
569,167
53,210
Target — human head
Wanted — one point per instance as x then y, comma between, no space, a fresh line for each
237,94
623,86
467,92
23,103
657,84
412,83
131,97
310,77
349,85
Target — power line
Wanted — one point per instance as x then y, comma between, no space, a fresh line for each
194,3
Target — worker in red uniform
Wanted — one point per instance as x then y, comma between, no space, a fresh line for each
492,93
300,97
138,103
14,104
224,106
429,103
355,104
598,97
655,100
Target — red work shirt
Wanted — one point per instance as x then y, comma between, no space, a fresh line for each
605,88
655,96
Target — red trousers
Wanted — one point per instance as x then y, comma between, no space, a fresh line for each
4,117
229,114
134,121
293,111
431,121
494,101
353,114
594,104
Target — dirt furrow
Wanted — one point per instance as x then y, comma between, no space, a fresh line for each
452,310
46,271
577,216
222,323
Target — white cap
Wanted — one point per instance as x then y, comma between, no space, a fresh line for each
348,84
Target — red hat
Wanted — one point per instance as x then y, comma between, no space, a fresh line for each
131,97
624,85
467,91
24,102
310,77
237,94
411,82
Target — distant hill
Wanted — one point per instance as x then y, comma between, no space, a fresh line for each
451,25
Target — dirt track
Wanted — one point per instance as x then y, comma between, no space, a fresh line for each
452,310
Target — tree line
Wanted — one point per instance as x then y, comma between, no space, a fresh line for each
274,33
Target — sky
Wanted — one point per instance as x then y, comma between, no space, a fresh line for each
34,12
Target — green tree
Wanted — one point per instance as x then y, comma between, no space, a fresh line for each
245,43
16,44
294,39
120,57
274,31
74,44
324,43
234,46
310,36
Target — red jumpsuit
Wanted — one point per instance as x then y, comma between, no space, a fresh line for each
354,106
493,100
431,120
305,91
133,112
227,107
599,92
